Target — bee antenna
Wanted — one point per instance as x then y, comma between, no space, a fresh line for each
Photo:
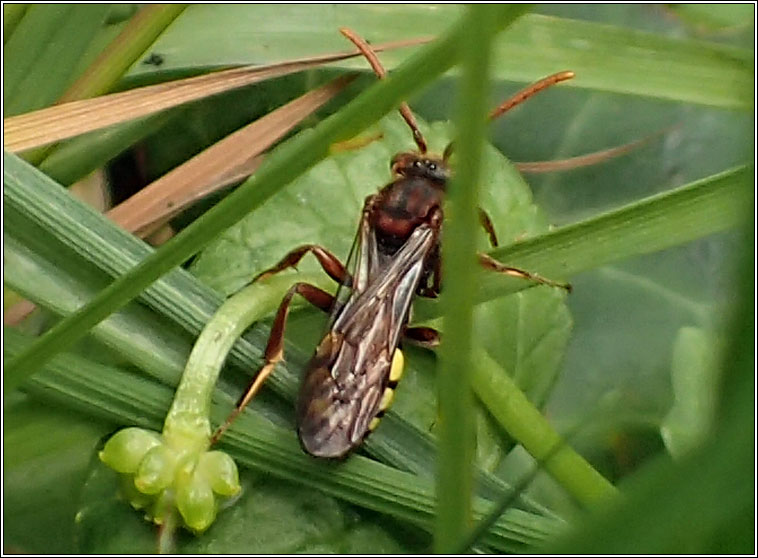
448,151
381,73
530,91
519,98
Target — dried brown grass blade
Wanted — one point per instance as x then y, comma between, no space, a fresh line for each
56,123
232,159
220,164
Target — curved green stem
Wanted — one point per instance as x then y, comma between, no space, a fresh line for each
188,420
516,414
175,471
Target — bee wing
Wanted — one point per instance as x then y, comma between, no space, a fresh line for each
363,263
346,379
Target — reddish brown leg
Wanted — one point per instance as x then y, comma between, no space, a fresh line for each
329,262
274,352
486,223
492,264
423,336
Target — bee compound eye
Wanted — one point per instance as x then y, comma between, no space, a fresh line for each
432,166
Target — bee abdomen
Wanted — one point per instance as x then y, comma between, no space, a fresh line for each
327,421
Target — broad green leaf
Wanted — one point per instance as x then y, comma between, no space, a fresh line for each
528,332
12,14
44,466
255,523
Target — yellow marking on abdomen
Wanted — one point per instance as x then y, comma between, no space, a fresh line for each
387,397
396,368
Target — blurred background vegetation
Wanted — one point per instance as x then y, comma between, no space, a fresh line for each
649,364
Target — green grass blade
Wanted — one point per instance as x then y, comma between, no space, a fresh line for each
605,57
524,422
60,282
456,436
705,207
141,31
12,14
622,60
46,45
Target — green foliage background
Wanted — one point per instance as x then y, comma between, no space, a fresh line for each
638,347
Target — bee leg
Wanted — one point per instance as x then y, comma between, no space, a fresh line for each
329,262
275,347
492,264
433,290
486,223
423,337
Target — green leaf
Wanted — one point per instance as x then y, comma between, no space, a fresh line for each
105,523
12,14
528,332
314,523
43,471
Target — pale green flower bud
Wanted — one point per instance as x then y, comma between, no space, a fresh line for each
196,503
221,471
156,471
126,449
